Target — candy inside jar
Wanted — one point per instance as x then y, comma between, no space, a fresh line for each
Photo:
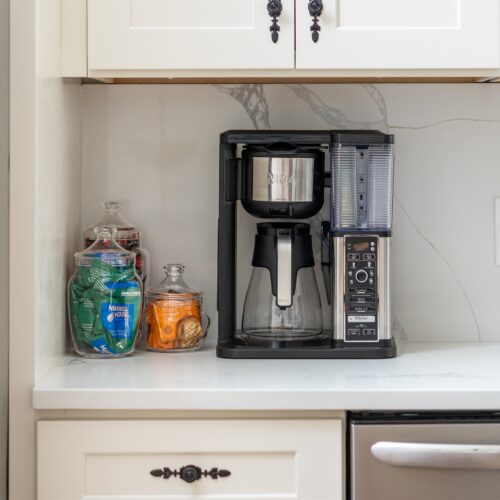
174,314
104,299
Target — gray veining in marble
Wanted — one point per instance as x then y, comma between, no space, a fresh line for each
253,99
334,117
446,263
442,122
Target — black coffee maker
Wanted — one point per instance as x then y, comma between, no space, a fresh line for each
281,177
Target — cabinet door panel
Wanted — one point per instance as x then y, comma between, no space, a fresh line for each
187,34
267,459
401,34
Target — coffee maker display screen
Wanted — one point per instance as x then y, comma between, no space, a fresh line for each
361,247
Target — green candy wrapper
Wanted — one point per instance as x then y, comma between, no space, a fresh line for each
105,303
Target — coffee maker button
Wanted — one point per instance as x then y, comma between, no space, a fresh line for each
361,276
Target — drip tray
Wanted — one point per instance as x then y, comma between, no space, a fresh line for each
323,347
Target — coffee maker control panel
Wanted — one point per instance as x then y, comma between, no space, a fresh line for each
361,297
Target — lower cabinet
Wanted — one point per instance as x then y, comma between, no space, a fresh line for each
203,459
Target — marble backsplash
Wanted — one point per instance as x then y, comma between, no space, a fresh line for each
155,147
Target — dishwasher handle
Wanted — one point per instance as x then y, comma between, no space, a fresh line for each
437,455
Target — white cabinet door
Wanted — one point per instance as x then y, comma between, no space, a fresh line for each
266,459
412,34
187,34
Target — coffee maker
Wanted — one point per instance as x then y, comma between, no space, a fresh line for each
280,178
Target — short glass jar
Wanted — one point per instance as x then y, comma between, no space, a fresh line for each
174,316
105,299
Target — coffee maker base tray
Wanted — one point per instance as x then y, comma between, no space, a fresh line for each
236,349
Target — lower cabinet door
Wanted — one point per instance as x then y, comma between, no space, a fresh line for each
202,459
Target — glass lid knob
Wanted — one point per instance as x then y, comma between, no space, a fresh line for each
105,232
174,270
111,207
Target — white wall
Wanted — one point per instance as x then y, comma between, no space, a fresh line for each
58,157
156,147
45,160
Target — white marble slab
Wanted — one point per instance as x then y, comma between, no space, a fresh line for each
425,376
156,148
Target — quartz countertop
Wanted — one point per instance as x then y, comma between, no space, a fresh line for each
424,376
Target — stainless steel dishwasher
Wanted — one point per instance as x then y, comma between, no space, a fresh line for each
424,456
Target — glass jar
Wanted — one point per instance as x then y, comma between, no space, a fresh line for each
174,314
127,236
105,299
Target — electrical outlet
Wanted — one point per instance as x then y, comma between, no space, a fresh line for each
497,229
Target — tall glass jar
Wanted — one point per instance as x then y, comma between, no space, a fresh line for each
105,298
174,314
127,236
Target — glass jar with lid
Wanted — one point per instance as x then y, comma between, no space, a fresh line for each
174,316
127,235
105,298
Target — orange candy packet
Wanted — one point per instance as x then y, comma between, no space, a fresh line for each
174,323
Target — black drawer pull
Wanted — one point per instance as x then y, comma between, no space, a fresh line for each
315,9
190,473
274,10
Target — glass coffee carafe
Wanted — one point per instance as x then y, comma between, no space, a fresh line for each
282,301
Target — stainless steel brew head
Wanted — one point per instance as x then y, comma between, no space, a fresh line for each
282,183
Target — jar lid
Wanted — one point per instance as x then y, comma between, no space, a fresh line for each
106,249
125,231
174,287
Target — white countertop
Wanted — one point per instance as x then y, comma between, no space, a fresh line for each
424,376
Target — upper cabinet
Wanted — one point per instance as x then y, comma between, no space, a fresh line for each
172,38
403,34
190,34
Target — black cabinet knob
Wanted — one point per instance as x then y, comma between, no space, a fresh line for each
274,8
190,473
315,8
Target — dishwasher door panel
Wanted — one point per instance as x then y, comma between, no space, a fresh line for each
404,471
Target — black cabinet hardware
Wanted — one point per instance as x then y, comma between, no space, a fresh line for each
274,9
315,9
190,473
